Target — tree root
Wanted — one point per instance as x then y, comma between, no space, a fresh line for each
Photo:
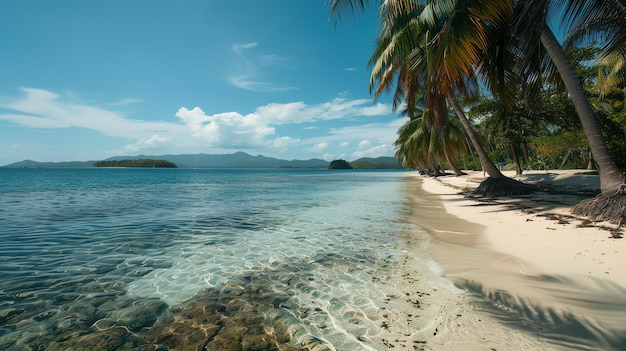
494,187
603,207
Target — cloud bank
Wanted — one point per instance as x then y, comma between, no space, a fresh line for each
192,128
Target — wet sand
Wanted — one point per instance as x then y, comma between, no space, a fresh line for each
531,276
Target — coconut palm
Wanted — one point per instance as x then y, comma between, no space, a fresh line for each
389,61
606,19
420,145
462,40
531,24
415,146
432,49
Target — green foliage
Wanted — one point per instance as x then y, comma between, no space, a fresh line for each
549,125
614,130
432,50
420,145
363,164
140,163
550,150
607,102
339,164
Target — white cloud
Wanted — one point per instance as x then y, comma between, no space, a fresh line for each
283,143
367,150
378,132
372,140
125,102
338,108
249,82
318,147
147,143
193,129
33,121
328,157
249,69
293,112
233,130
238,48
230,128
43,109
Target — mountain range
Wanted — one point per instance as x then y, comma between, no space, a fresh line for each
236,160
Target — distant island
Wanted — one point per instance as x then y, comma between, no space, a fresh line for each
235,160
339,164
140,163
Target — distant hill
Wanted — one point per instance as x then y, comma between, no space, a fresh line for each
376,163
35,164
236,160
141,163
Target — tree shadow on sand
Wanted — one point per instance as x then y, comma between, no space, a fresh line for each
587,315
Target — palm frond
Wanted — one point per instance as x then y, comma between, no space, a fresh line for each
340,9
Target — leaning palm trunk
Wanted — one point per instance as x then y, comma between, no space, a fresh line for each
488,165
611,203
446,152
611,178
516,161
497,184
451,163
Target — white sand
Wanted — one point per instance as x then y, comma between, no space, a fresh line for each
540,244
505,274
532,278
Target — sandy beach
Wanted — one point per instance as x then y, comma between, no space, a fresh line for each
527,274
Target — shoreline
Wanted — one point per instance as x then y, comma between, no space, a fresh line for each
535,275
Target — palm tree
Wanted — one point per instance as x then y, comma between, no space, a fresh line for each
531,22
388,61
461,43
605,19
433,49
419,144
416,147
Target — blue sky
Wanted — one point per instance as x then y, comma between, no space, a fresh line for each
86,80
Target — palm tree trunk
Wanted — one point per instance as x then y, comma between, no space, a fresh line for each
451,163
566,158
526,160
518,166
446,152
488,165
610,176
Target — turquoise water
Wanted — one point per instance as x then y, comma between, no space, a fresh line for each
158,259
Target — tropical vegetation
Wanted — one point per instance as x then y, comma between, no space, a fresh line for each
140,163
500,63
339,164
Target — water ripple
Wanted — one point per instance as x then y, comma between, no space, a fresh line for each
87,252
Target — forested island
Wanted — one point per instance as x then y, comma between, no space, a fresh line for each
140,163
339,164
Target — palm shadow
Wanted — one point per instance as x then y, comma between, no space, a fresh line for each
590,318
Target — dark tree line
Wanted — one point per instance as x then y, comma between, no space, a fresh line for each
140,163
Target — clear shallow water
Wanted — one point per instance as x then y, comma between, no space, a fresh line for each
157,259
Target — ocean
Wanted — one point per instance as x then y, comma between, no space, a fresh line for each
216,259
